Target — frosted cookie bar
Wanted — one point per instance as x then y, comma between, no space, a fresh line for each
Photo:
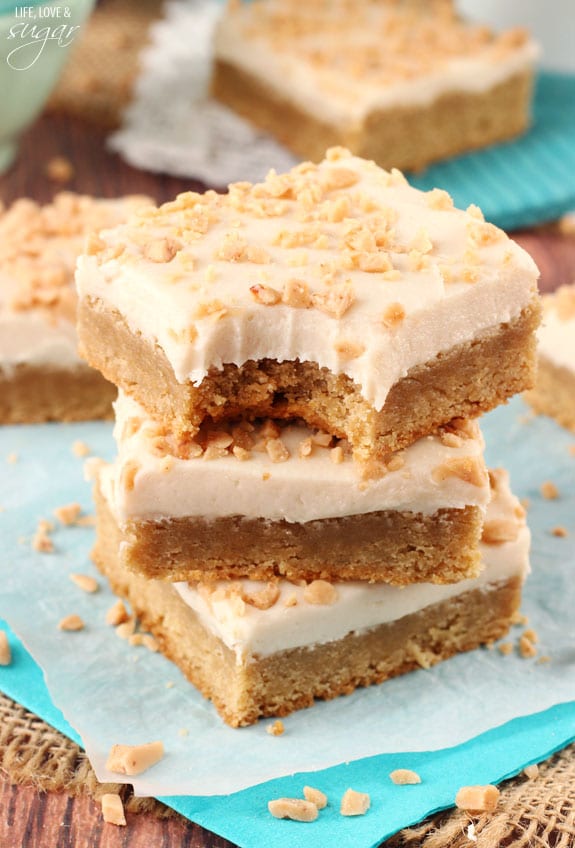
401,83
554,391
335,293
260,649
262,500
42,377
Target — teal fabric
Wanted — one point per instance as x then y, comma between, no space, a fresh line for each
522,182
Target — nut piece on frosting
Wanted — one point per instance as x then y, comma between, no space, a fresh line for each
134,759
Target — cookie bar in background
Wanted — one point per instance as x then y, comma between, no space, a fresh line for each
264,500
554,391
261,649
335,293
404,84
42,378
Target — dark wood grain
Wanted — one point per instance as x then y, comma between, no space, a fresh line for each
29,819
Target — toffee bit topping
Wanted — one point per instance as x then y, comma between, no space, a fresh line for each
477,799
134,759
277,451
499,530
481,233
71,623
320,593
296,293
337,455
128,474
85,582
348,349
336,178
295,809
305,447
161,250
354,803
276,728
393,315
549,490
5,652
437,198
266,295
211,309
316,796
264,598
113,809
468,469
118,614
404,777
336,301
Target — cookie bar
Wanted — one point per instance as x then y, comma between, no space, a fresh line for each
554,390
404,84
335,293
266,499
42,377
260,649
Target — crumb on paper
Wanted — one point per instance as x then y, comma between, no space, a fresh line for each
80,448
150,642
113,809
118,614
531,772
295,809
559,531
276,728
505,648
517,618
316,796
545,658
71,623
12,458
404,777
59,169
183,731
477,799
354,803
527,648
170,684
126,629
41,540
549,490
68,513
134,759
5,652
85,582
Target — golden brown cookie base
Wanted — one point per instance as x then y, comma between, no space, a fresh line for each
554,393
408,137
31,394
291,680
465,381
381,547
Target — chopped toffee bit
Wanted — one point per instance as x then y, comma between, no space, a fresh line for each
5,653
505,648
320,592
295,809
113,809
85,582
118,614
404,777
276,729
477,799
68,514
264,598
71,623
467,468
531,772
499,530
316,796
126,628
134,759
549,490
80,448
560,531
527,648
354,803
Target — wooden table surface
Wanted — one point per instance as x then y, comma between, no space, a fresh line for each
29,819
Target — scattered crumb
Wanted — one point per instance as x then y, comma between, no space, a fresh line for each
134,759
80,448
518,618
543,659
68,514
5,653
531,635
85,582
118,614
505,648
71,623
316,796
126,628
320,592
113,809
59,169
526,648
170,684
12,458
572,450
354,803
41,541
275,729
149,642
549,490
531,772
404,777
295,809
559,531
477,799
183,731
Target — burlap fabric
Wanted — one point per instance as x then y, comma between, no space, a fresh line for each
532,813
98,79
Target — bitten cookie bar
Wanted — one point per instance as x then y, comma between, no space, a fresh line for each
401,83
42,377
261,649
335,293
267,500
554,391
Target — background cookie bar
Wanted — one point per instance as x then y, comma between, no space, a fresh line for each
402,83
267,500
554,390
42,377
335,293
259,649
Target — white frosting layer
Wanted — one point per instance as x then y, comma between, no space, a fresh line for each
359,606
556,335
309,63
297,490
39,246
452,277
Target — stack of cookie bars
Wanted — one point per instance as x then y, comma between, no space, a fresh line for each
299,504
